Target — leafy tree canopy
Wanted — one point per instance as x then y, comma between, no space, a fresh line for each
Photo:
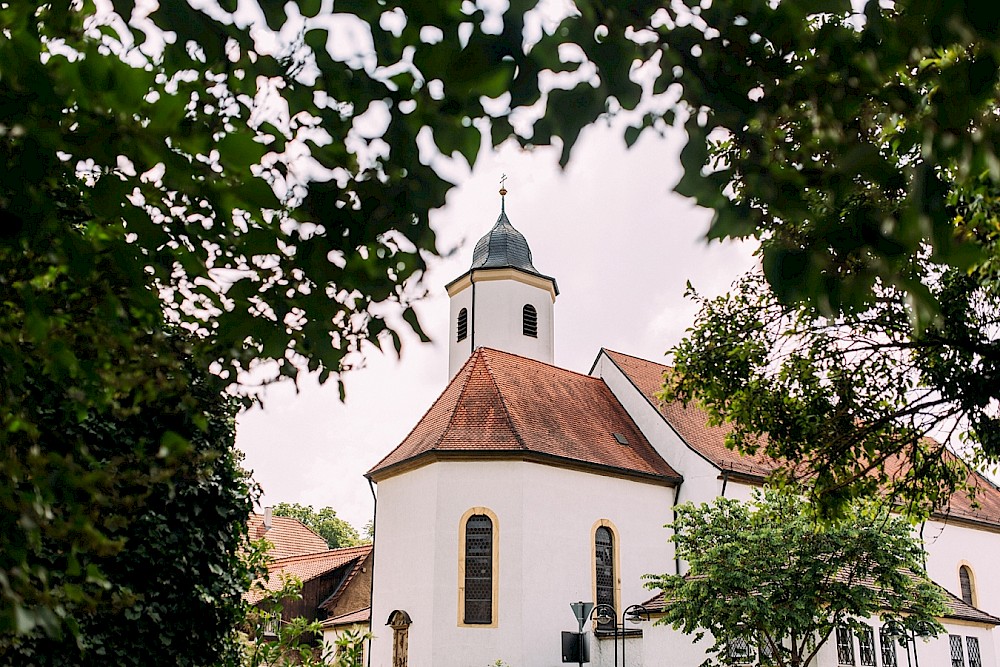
123,528
336,531
851,402
274,183
765,574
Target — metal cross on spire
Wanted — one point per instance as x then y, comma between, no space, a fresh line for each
503,192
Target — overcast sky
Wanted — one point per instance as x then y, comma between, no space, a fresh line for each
621,247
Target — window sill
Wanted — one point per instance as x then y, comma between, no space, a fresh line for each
631,633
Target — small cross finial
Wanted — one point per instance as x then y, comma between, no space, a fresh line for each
503,191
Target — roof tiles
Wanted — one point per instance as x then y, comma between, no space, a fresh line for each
691,423
501,403
288,536
306,567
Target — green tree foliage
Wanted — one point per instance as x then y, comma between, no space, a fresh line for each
850,402
270,641
131,553
850,143
336,531
765,573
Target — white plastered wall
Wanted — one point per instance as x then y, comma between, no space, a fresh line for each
702,481
950,545
459,350
545,516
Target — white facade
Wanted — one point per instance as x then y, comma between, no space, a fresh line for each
545,520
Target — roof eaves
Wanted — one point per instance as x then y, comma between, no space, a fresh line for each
529,456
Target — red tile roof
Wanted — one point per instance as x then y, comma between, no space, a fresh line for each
955,607
691,425
691,422
289,537
359,616
306,567
502,404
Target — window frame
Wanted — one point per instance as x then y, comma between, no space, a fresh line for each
966,568
975,656
741,651
494,562
956,649
887,647
866,636
462,325
615,565
532,330
844,641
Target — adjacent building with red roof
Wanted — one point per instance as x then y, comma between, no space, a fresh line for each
336,583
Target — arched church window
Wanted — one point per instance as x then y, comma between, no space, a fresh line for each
604,574
965,581
478,568
463,324
530,321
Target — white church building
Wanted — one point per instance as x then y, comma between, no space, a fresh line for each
526,487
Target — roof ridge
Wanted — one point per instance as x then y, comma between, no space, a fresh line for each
317,555
632,356
467,370
503,401
537,361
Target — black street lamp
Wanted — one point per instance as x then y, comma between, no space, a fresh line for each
604,614
895,629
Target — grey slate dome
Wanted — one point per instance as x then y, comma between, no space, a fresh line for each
503,247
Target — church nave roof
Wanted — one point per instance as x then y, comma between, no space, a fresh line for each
502,405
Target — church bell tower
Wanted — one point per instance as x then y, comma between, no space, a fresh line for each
502,301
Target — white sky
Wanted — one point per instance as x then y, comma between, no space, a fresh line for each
621,247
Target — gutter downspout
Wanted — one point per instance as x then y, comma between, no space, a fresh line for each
472,332
924,557
371,586
725,481
673,511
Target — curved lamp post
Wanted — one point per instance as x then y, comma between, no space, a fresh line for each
894,628
604,614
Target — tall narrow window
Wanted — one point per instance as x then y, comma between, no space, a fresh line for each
888,645
965,580
479,570
463,324
765,650
957,651
604,546
975,660
530,321
866,646
845,647
741,651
